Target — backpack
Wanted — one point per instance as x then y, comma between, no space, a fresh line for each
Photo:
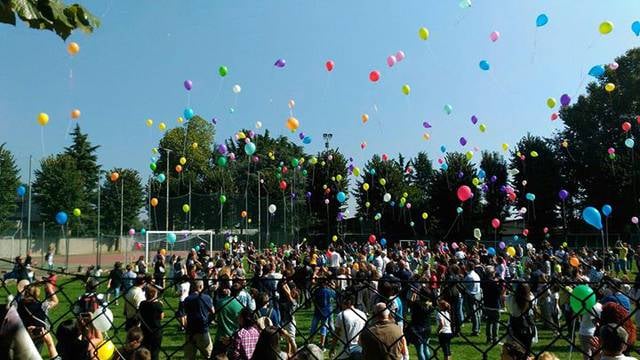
522,327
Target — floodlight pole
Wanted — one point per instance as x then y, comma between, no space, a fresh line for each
166,218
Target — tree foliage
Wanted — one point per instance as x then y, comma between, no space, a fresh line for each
9,183
129,184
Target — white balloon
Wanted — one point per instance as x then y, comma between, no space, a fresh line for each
258,124
236,89
102,319
386,197
272,209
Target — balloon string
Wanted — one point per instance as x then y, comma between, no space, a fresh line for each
451,227
42,140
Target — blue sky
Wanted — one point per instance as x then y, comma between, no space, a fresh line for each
133,66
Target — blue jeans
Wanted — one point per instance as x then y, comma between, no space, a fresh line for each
621,265
324,322
474,311
458,311
423,351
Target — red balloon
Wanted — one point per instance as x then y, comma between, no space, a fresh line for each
283,185
372,239
385,157
525,232
329,65
495,223
638,119
374,76
511,196
285,169
464,193
554,116
138,245
626,126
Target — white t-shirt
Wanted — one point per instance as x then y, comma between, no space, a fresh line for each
587,327
444,319
349,323
183,290
334,259
133,298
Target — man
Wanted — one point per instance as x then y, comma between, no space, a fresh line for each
334,260
473,296
227,316
613,339
199,310
115,282
492,294
384,340
132,299
349,324
128,278
323,298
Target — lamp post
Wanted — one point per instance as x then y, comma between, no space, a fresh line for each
166,217
327,138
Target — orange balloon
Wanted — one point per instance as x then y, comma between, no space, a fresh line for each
178,168
243,214
115,176
75,114
574,262
154,202
365,118
292,124
73,48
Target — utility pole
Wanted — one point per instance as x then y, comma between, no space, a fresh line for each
29,208
99,218
126,247
166,218
259,212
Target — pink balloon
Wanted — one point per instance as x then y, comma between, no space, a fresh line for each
440,161
611,150
391,60
132,232
495,223
400,55
613,66
494,36
408,205
634,220
554,116
464,193
454,245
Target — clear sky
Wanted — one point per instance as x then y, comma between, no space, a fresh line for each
132,68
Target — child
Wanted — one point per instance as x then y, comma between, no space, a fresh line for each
444,328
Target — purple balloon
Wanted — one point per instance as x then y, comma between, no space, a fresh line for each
474,120
188,85
563,194
256,159
280,63
426,125
565,100
463,141
293,195
460,175
252,134
308,194
503,189
340,216
485,187
494,178
222,149
301,135
214,121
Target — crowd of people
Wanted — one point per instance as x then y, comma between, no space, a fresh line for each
367,302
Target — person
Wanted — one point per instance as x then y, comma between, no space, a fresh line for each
128,278
419,328
49,257
141,265
445,333
183,291
134,340
521,329
158,272
19,271
132,301
548,356
323,298
35,315
384,339
88,302
309,352
151,315
115,281
473,298
349,324
142,354
227,315
288,304
246,338
268,345
613,340
71,343
199,311
492,294
587,331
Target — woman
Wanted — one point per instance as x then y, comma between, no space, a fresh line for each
151,316
521,329
34,314
445,333
268,346
419,328
158,272
246,338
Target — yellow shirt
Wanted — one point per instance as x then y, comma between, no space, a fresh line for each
622,253
314,259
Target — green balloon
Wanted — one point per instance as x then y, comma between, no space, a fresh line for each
582,299
153,166
223,199
304,172
294,162
278,176
223,71
222,161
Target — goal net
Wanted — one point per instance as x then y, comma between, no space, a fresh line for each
181,241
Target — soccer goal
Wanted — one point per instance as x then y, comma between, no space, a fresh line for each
185,240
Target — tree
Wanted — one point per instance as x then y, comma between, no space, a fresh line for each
56,189
9,182
495,199
86,159
130,184
538,168
421,178
52,15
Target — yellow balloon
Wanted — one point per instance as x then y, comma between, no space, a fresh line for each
180,120
505,146
609,87
534,154
73,48
405,195
426,136
423,33
511,251
240,135
475,181
365,186
186,208
565,144
551,103
149,122
301,161
425,216
183,160
162,126
406,89
482,127
43,119
367,204
469,155
75,114
333,178
105,350
365,118
334,238
292,124
383,182
154,150
605,27
338,177
356,171
194,145
314,160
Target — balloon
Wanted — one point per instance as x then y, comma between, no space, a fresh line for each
137,245
406,89
382,181
75,114
374,76
21,190
365,118
511,251
542,20
386,197
383,242
626,126
525,232
469,155
250,148
178,168
341,197
448,109
105,350
154,202
482,127
530,196
582,300
592,217
183,160
391,60
565,100
605,27
329,65
629,143
222,199
551,103
372,239
280,63
607,209
222,161
635,27
573,261
131,232
149,122
502,245
491,251
425,216
258,124
494,36
563,194
477,233
186,208
162,126
223,71
495,223
444,167
61,218
545,230
188,84
114,176
505,146
400,55
161,178
73,48
77,212
283,185
484,65
365,186
634,220
426,136
326,201
554,116
597,71
464,4
614,66
153,166
423,33
243,214
227,246
188,113
43,119
236,89
292,124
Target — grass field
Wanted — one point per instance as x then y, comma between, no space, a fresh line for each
463,347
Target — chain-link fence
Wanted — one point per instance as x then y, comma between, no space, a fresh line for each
233,308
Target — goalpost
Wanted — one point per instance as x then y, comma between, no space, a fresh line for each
185,240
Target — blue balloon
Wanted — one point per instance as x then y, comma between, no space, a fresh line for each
372,171
383,242
635,27
481,174
629,143
161,178
516,238
143,231
171,238
306,140
61,218
21,190
542,20
444,166
188,113
341,197
249,148
597,71
392,203
607,209
491,251
530,196
443,148
459,210
591,216
484,65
